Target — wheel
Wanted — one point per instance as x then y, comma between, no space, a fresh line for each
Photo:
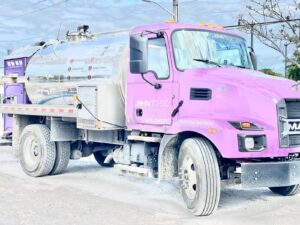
100,157
37,151
199,176
62,157
286,191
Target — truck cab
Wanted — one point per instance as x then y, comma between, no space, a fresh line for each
199,83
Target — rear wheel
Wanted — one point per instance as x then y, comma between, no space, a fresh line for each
286,191
199,176
37,151
100,158
62,157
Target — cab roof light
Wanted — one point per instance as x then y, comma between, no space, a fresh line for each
211,25
170,21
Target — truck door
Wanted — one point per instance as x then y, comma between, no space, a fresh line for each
150,105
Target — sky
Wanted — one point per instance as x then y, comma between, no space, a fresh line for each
28,21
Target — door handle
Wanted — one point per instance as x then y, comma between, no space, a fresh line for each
139,112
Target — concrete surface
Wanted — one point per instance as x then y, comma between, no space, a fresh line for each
89,194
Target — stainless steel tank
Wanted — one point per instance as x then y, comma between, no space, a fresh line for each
55,71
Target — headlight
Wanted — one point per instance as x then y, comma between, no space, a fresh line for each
252,143
245,126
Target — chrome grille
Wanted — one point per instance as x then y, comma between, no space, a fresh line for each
293,109
294,140
288,110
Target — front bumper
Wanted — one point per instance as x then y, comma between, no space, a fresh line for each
270,174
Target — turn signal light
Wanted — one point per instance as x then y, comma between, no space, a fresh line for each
245,125
212,130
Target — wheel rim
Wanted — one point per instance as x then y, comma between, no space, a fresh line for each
31,153
189,177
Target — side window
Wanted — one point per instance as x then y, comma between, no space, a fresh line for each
157,58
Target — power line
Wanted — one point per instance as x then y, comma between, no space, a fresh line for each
24,39
261,23
35,11
31,4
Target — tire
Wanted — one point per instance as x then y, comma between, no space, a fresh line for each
37,151
63,153
99,157
286,191
199,176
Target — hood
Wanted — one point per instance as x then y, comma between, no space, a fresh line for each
236,94
275,87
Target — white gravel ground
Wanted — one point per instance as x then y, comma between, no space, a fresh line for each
89,194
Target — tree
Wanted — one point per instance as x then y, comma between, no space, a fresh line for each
274,35
270,72
294,70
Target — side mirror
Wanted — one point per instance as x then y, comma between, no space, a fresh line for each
138,54
253,59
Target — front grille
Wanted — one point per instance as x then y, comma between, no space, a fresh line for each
293,109
288,109
294,140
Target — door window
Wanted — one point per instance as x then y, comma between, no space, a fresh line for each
157,58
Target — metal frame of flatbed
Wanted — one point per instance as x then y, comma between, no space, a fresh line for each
39,110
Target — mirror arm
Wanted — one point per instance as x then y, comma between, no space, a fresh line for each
158,33
156,85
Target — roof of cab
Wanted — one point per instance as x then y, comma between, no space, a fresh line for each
174,26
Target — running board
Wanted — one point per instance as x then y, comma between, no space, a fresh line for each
133,170
144,138
5,142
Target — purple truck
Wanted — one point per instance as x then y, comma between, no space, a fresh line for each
166,100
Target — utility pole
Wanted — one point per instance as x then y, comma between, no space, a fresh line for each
252,37
175,13
285,59
176,10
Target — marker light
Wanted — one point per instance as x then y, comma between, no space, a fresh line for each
212,130
210,25
170,21
245,126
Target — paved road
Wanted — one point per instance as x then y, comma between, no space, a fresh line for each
88,194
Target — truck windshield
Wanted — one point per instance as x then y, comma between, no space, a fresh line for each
194,48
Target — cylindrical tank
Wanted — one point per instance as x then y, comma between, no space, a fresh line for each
55,70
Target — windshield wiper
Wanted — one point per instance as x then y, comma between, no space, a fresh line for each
238,66
208,62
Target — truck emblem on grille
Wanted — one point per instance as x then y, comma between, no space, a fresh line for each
294,126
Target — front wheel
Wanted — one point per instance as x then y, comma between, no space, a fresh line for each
199,176
286,191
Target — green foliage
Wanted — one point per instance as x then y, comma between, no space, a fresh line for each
270,72
294,70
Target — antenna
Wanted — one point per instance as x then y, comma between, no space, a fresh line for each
58,33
